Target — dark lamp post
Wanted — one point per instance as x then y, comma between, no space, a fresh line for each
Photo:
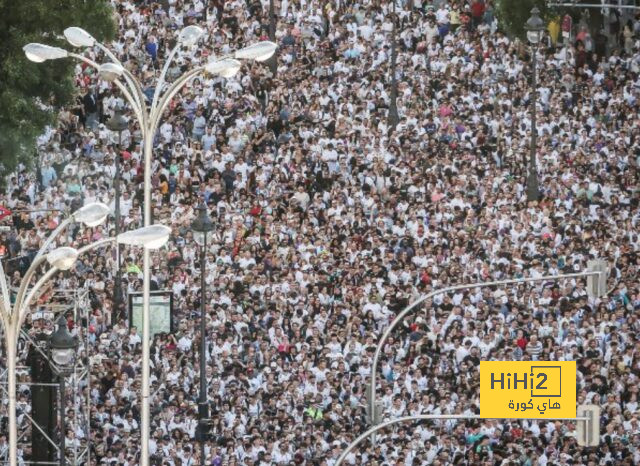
62,348
117,124
201,227
534,28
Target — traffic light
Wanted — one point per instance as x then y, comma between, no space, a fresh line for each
588,431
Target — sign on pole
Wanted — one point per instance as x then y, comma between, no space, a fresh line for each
589,431
528,389
160,311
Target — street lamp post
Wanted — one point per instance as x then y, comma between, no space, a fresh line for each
534,27
371,391
117,124
436,417
62,347
14,312
201,227
148,116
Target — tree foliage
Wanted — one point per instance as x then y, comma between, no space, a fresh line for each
31,93
513,14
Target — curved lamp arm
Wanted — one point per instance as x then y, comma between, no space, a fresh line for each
132,101
412,306
39,260
108,53
157,110
127,76
163,74
54,234
135,85
23,309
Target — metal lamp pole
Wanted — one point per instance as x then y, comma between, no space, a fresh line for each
534,27
428,417
201,227
63,347
13,312
117,124
413,306
62,258
148,116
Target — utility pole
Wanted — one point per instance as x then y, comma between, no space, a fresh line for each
117,123
534,28
201,227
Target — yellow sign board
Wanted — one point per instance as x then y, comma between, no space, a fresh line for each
528,389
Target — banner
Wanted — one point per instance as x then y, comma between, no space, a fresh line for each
4,212
528,389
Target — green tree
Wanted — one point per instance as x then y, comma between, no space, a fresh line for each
513,14
31,94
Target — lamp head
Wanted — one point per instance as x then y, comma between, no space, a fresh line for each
39,53
78,37
260,51
226,68
202,225
92,214
63,346
149,237
190,35
110,71
63,258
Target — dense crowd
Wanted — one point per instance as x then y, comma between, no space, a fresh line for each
329,221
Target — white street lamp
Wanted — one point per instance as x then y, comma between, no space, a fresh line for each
62,258
151,237
93,214
590,272
39,53
90,215
78,37
226,67
149,120
259,52
190,35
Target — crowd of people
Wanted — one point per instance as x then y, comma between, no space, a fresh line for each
329,221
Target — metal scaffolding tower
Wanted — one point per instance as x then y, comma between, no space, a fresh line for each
77,406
